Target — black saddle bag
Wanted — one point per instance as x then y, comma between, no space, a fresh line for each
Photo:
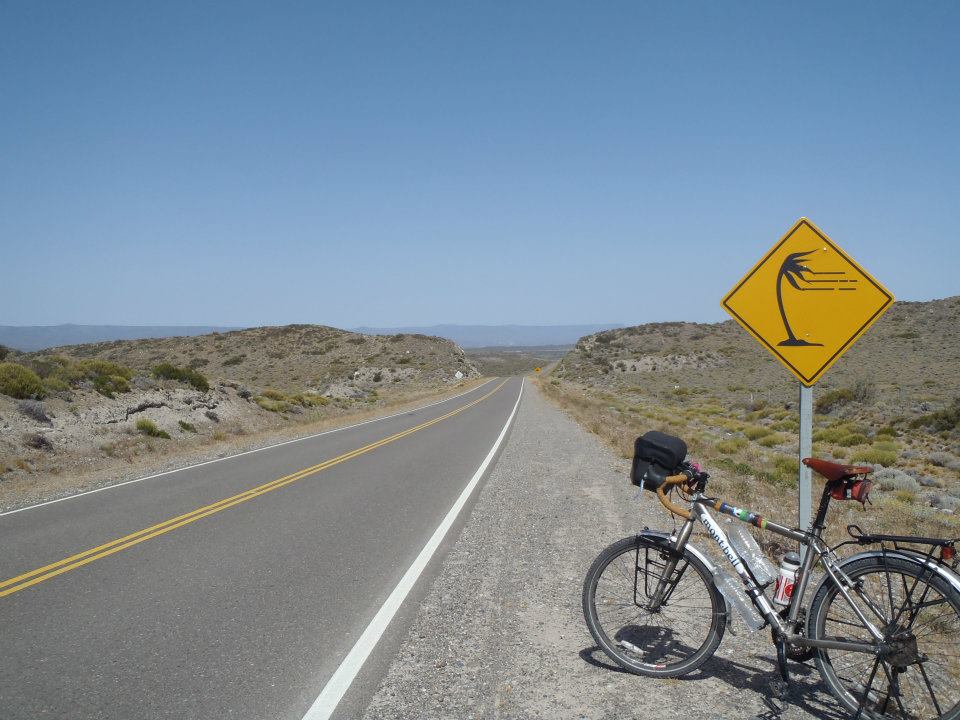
656,456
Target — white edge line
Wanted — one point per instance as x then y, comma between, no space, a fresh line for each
246,452
338,684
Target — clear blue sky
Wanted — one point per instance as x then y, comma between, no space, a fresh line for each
415,163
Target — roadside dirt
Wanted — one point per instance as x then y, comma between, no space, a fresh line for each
501,634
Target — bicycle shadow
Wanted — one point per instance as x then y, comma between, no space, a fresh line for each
806,691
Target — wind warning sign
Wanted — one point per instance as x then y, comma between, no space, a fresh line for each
807,301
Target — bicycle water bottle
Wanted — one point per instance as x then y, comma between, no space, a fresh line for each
732,590
749,551
783,590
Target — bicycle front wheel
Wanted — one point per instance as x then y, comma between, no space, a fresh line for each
918,613
672,639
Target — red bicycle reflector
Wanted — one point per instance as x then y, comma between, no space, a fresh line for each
948,553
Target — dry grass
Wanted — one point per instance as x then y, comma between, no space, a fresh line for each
743,471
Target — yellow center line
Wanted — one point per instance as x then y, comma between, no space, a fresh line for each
21,582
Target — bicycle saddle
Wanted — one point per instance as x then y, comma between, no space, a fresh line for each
835,471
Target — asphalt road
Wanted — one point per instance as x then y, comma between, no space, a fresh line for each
234,589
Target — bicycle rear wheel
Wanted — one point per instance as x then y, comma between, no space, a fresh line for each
672,640
915,609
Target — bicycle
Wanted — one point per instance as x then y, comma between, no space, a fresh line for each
883,624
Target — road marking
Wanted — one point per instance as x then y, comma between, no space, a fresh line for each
245,452
33,577
338,684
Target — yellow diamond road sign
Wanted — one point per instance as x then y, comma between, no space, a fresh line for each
807,301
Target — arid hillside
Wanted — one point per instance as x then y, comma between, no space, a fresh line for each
893,402
115,408
293,358
908,363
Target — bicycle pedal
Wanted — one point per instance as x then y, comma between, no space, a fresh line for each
779,689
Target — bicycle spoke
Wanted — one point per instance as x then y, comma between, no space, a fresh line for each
933,696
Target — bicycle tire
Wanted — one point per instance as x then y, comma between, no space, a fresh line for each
676,657
899,587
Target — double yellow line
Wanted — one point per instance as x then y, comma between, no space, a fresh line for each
21,582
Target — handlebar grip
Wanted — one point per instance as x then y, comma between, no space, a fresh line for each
665,501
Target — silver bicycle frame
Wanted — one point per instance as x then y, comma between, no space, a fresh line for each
817,551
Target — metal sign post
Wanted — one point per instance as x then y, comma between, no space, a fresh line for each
804,479
807,302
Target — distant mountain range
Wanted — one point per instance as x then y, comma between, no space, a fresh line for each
38,337
30,338
474,336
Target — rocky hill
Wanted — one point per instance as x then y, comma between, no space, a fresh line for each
907,363
110,407
294,358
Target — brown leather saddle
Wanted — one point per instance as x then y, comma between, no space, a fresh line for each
836,471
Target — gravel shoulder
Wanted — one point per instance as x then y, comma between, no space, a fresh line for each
500,633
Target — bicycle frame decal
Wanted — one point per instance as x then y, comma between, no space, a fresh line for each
719,537
747,516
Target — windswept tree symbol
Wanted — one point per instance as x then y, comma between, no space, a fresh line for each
793,270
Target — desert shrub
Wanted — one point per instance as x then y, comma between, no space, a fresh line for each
356,340
197,363
832,400
852,439
729,447
944,459
787,425
785,472
312,400
55,385
942,501
211,415
93,368
235,360
754,432
754,404
37,441
4,351
149,428
34,410
894,479
839,453
831,434
864,392
905,496
277,406
109,385
186,427
946,419
272,394
887,431
20,382
50,366
167,371
885,445
771,440
377,376
244,392
874,456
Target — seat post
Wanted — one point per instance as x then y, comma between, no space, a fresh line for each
819,521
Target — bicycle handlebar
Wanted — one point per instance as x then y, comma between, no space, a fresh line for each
665,501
